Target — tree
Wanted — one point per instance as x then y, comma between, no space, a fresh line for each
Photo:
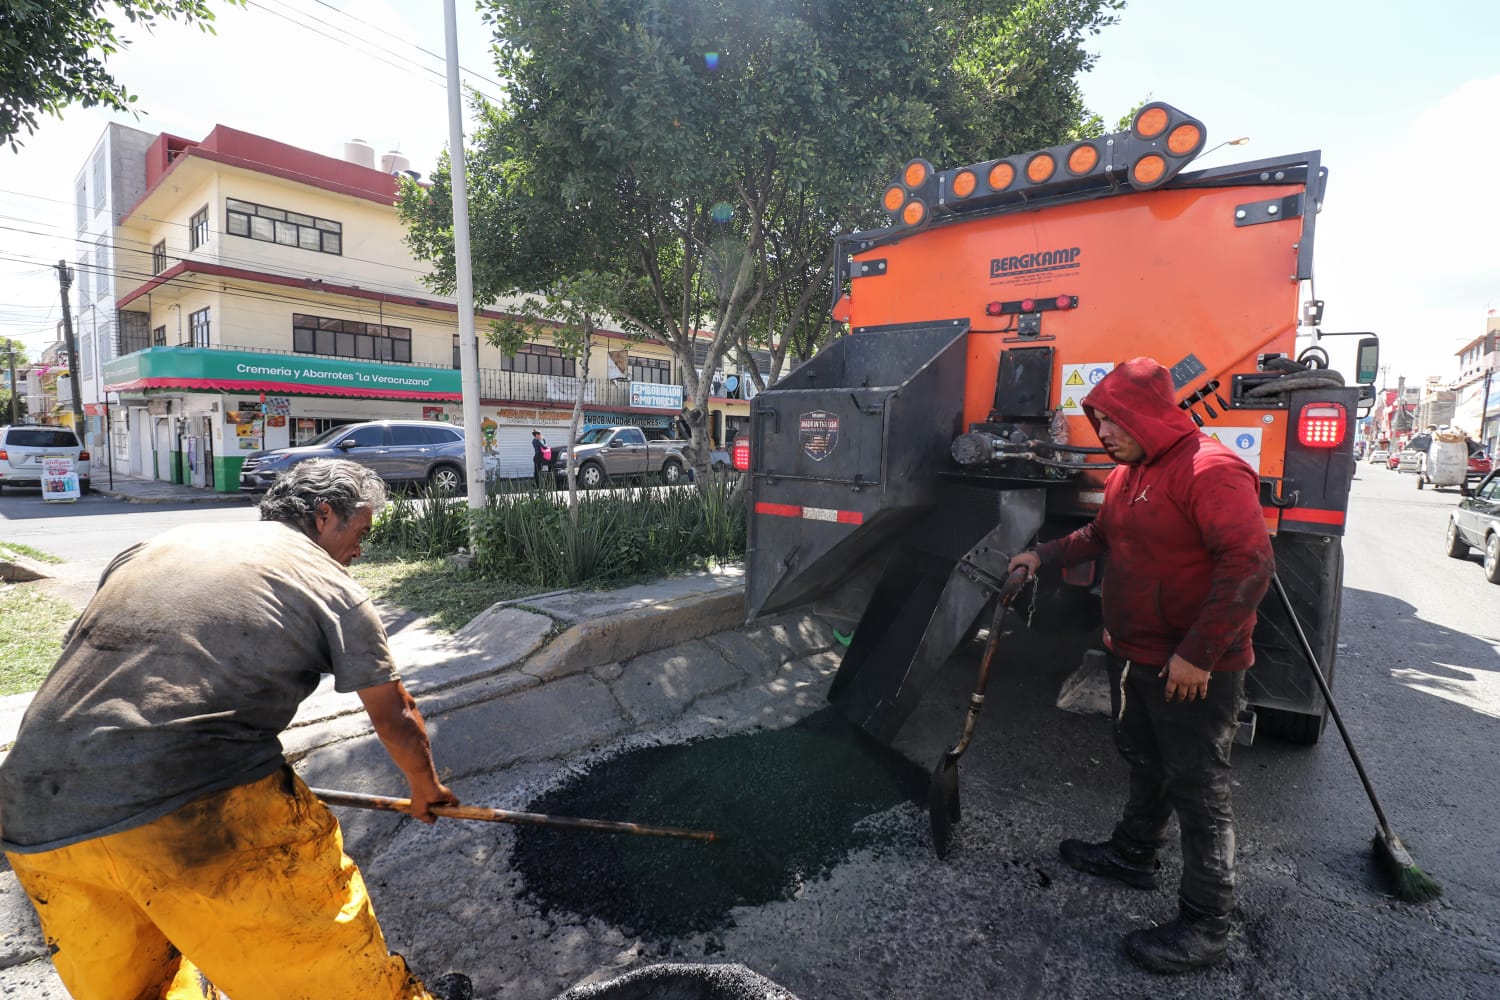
52,54
12,359
569,308
703,153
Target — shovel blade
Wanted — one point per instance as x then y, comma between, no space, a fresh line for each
943,810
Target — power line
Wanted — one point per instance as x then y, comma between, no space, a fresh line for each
181,225
283,271
440,78
213,284
406,41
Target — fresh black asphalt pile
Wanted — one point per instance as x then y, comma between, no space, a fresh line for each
788,803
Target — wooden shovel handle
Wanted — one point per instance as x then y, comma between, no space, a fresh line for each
380,802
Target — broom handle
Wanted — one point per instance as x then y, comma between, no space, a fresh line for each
1333,709
381,802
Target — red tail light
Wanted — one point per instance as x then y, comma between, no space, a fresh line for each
742,455
1321,425
4,457
83,456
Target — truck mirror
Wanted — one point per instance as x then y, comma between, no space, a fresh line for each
1367,360
1366,401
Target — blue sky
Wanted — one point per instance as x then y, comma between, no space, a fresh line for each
1400,97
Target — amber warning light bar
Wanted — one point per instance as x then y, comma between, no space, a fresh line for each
1160,142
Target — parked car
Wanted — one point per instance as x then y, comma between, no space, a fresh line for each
605,453
1380,456
23,446
1475,523
1409,461
400,451
1479,465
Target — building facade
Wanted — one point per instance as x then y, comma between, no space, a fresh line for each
263,294
1477,388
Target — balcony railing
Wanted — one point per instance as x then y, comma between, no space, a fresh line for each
526,387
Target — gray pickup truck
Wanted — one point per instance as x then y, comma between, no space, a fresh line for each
606,453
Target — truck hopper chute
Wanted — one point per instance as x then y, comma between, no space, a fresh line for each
845,451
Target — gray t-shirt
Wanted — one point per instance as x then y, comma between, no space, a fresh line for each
179,678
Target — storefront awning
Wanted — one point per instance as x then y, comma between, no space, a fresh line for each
208,369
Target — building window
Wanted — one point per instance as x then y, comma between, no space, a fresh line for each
347,338
159,257
99,181
277,225
458,359
101,269
83,204
198,228
658,370
159,337
134,332
198,327
539,359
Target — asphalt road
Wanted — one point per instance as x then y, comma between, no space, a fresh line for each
1002,917
874,914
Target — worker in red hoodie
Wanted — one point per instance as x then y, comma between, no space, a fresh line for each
1188,560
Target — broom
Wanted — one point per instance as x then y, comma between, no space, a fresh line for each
1411,883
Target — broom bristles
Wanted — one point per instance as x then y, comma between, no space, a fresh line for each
1411,883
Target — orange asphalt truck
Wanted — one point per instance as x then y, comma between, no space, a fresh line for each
896,471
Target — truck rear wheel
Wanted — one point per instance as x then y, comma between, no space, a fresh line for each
1313,575
671,472
591,476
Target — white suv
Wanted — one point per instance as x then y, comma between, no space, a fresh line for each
22,448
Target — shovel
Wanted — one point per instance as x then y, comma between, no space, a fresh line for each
942,792
381,802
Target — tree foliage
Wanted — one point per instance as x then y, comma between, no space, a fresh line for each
53,54
703,154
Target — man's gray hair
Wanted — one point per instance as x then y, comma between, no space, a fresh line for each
344,485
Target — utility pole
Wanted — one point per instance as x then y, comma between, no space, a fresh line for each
468,343
9,351
1484,406
65,281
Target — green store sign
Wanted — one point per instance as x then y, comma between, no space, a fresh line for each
165,368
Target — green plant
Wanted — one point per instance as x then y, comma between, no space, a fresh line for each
31,629
422,523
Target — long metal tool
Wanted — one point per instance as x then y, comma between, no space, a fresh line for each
1411,883
381,802
942,792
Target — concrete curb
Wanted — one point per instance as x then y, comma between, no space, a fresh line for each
178,497
610,638
17,568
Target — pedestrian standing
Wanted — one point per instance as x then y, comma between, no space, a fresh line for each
541,457
146,806
1188,563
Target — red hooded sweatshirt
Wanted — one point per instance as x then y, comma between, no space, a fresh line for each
1189,557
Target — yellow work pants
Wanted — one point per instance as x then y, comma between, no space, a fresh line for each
248,889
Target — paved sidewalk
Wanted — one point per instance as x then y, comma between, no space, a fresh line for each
135,490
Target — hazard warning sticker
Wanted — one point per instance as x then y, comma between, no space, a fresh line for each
1245,441
1077,380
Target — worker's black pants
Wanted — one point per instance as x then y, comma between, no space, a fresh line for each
1178,754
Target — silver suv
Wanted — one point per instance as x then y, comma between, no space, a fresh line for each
22,448
400,451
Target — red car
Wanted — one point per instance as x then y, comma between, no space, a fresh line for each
1479,465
